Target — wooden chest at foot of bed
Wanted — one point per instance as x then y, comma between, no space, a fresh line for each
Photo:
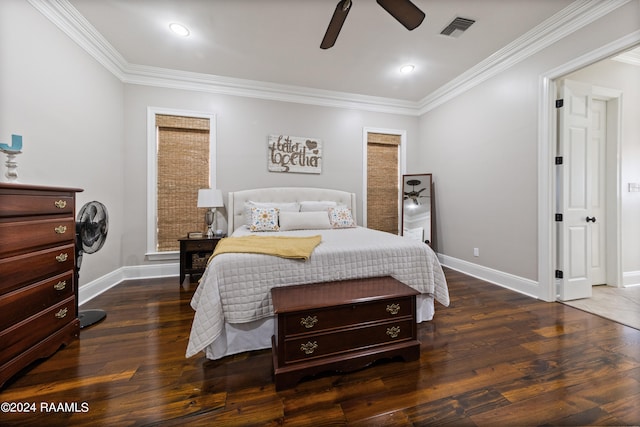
341,326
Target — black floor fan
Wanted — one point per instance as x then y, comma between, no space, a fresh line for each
91,232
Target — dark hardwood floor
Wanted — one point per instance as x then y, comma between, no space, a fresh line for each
494,357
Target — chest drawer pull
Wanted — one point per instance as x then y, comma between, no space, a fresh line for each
62,313
60,204
309,321
309,347
60,285
61,229
393,331
62,257
393,308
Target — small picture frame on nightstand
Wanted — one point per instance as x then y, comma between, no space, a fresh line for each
194,235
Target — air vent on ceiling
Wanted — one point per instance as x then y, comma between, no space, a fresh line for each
457,27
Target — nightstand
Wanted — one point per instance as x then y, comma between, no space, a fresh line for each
194,254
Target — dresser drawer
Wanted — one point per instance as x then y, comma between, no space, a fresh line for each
24,269
18,236
29,332
321,319
27,205
25,302
349,339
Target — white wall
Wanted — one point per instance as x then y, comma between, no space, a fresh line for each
84,128
625,77
68,109
482,148
243,126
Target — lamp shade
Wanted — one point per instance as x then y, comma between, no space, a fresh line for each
210,198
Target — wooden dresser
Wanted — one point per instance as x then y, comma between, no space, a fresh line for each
341,326
38,293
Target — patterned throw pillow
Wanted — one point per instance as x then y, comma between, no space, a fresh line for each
341,218
284,206
264,219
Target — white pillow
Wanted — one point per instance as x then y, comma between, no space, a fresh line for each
315,206
282,207
304,221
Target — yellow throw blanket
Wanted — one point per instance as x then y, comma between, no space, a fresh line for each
282,246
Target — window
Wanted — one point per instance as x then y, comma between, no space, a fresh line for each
382,182
384,158
181,161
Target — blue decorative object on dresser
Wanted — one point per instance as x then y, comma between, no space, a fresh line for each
11,151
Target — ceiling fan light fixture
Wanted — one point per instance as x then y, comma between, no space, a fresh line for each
179,29
407,69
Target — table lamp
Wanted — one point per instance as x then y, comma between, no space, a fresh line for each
212,199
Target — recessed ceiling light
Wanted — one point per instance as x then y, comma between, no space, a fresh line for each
179,29
407,69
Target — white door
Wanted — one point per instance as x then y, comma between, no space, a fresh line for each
575,192
582,187
597,172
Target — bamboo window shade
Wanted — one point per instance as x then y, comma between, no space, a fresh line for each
382,182
183,168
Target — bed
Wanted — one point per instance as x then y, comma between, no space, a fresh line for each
233,311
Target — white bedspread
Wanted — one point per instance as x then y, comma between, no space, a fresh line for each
236,287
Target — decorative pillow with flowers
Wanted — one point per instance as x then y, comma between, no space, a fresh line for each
341,218
264,219
284,207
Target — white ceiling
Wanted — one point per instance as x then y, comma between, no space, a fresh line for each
277,41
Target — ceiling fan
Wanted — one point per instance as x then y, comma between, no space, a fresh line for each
407,13
413,194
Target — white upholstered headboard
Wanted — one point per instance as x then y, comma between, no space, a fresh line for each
235,209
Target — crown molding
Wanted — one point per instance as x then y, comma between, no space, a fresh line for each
175,79
631,57
67,18
575,16
570,19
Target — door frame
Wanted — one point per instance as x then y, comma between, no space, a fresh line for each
402,161
547,133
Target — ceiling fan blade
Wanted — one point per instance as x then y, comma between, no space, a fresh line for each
404,11
335,25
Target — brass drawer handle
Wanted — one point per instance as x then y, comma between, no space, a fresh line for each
309,347
62,257
61,229
309,321
393,331
393,308
60,285
62,313
60,204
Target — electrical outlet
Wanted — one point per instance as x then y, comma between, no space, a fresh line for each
476,252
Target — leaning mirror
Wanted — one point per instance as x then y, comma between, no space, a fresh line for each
416,207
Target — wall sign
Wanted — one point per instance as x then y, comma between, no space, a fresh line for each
294,154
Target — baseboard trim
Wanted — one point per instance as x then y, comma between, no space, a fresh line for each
506,280
96,287
93,289
631,278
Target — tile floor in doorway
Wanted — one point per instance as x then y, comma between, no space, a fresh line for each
619,304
